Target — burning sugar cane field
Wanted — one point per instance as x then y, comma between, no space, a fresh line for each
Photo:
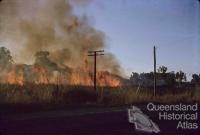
45,59
91,67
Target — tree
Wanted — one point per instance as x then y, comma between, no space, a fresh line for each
42,59
5,58
134,78
162,69
181,76
195,78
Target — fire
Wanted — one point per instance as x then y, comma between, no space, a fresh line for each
84,76
59,40
42,72
14,77
106,79
78,76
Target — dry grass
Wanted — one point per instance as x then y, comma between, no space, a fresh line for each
53,94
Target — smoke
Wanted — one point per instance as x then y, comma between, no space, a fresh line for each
43,60
5,59
31,26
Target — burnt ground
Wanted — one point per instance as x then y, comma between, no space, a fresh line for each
78,121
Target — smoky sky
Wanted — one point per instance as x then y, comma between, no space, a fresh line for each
27,27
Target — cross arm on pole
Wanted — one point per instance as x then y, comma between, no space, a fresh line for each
95,54
99,51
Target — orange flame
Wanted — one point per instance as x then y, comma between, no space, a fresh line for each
78,76
43,78
15,78
106,79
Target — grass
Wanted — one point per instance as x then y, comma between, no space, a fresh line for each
80,95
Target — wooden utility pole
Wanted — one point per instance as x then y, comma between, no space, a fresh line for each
155,80
95,54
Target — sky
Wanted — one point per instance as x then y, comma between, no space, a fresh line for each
133,27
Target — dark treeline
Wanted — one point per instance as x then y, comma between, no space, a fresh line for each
164,79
